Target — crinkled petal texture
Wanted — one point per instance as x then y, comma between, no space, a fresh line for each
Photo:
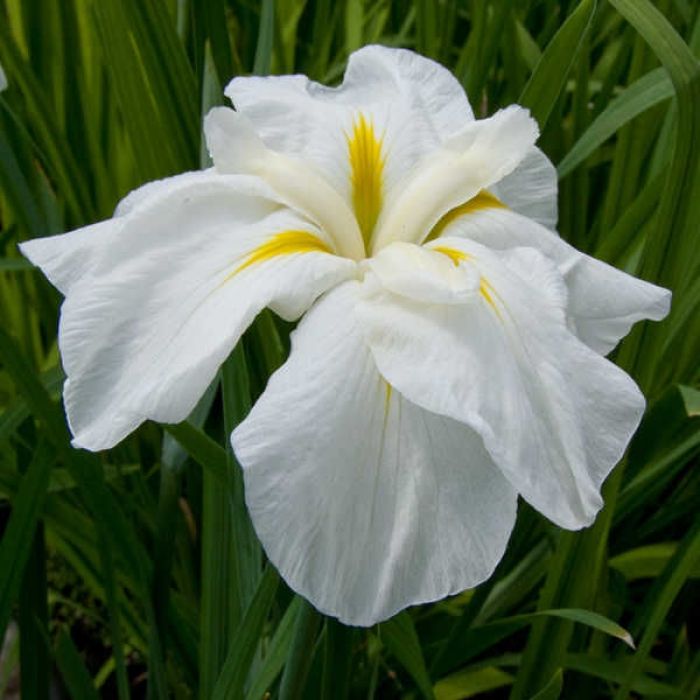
603,302
554,415
157,297
409,103
364,501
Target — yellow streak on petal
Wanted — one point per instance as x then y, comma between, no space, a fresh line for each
488,292
485,288
387,398
283,243
457,256
483,200
365,151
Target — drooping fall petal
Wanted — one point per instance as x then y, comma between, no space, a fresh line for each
365,502
554,415
158,297
603,302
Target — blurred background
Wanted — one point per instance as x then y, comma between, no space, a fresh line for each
134,572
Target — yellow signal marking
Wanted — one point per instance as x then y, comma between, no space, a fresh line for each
283,243
483,200
366,154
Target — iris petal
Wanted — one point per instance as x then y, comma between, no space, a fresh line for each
158,297
604,302
363,501
554,415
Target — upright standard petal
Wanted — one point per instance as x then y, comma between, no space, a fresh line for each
409,513
604,303
162,294
237,149
482,154
555,416
393,108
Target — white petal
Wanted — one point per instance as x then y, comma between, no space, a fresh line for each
236,148
411,104
163,293
67,258
531,189
364,502
420,273
432,88
554,415
483,153
375,76
604,302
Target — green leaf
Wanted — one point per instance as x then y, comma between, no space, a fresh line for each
658,602
154,84
691,400
15,265
553,689
549,77
237,664
648,561
614,671
73,672
18,537
276,653
203,450
593,620
33,389
670,257
645,93
668,437
231,562
471,682
338,642
400,637
481,637
52,147
266,38
33,619
296,670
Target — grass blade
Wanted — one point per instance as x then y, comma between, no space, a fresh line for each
548,79
73,671
276,654
660,599
645,93
203,450
399,635
34,659
299,660
240,655
17,539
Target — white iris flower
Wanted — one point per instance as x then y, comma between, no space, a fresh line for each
450,353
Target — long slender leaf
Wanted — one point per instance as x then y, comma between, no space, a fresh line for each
548,78
73,671
400,637
648,91
237,663
16,542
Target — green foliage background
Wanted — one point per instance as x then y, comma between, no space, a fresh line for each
156,585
